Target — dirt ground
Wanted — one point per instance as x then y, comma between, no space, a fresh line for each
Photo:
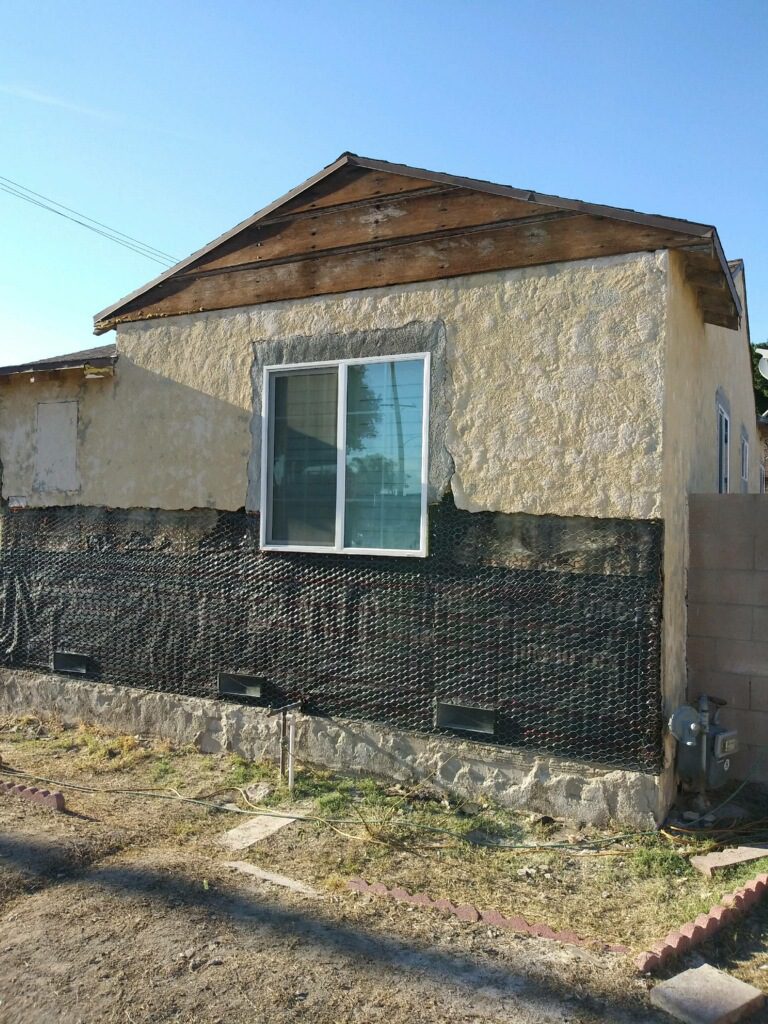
123,909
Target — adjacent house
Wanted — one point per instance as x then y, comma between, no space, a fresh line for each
411,449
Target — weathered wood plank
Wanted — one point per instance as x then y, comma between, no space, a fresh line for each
718,319
391,218
706,278
523,245
351,184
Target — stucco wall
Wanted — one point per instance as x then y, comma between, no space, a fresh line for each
701,360
556,393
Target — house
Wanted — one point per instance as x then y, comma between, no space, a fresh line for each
411,449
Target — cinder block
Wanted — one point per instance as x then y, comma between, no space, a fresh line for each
760,623
752,725
761,547
760,589
705,995
716,586
750,762
445,905
731,621
728,548
744,657
728,686
758,692
701,652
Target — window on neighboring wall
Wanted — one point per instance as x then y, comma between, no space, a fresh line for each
744,465
344,456
723,450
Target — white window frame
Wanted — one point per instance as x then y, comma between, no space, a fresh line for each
762,479
723,463
341,445
744,464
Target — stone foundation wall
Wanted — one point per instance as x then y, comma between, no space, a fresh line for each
511,778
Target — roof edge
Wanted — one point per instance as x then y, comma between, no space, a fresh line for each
71,362
696,230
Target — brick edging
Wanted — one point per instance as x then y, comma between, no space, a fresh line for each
40,796
471,915
731,907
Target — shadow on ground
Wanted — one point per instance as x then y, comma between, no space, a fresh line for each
310,925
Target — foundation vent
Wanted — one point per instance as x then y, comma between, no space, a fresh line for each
237,684
465,718
73,664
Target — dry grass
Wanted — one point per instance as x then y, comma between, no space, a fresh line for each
632,892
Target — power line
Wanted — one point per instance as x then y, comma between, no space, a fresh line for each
127,241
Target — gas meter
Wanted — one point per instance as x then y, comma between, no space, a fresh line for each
705,748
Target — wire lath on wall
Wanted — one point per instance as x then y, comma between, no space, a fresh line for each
546,631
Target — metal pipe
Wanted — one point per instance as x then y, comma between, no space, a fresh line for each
291,748
282,744
704,739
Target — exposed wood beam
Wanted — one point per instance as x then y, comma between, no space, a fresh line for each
380,244
707,279
720,319
390,221
523,242
359,204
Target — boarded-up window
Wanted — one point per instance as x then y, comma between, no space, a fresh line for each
56,447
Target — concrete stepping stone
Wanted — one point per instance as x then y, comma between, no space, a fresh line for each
256,828
269,876
705,995
709,863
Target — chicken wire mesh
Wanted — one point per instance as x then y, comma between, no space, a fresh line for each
551,627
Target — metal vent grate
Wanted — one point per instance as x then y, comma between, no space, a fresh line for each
72,664
465,718
236,684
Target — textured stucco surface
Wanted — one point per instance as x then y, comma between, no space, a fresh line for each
701,360
556,377
416,337
511,778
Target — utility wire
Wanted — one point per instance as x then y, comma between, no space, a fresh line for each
13,188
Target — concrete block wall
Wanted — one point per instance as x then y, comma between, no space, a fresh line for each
728,617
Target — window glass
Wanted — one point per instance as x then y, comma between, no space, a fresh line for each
343,456
303,457
385,402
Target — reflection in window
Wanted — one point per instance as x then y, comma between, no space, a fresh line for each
383,456
344,465
303,469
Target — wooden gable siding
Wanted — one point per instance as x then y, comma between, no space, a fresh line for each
360,228
360,223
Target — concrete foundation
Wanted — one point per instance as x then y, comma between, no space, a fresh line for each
512,778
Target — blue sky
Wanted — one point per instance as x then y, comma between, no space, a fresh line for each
172,121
